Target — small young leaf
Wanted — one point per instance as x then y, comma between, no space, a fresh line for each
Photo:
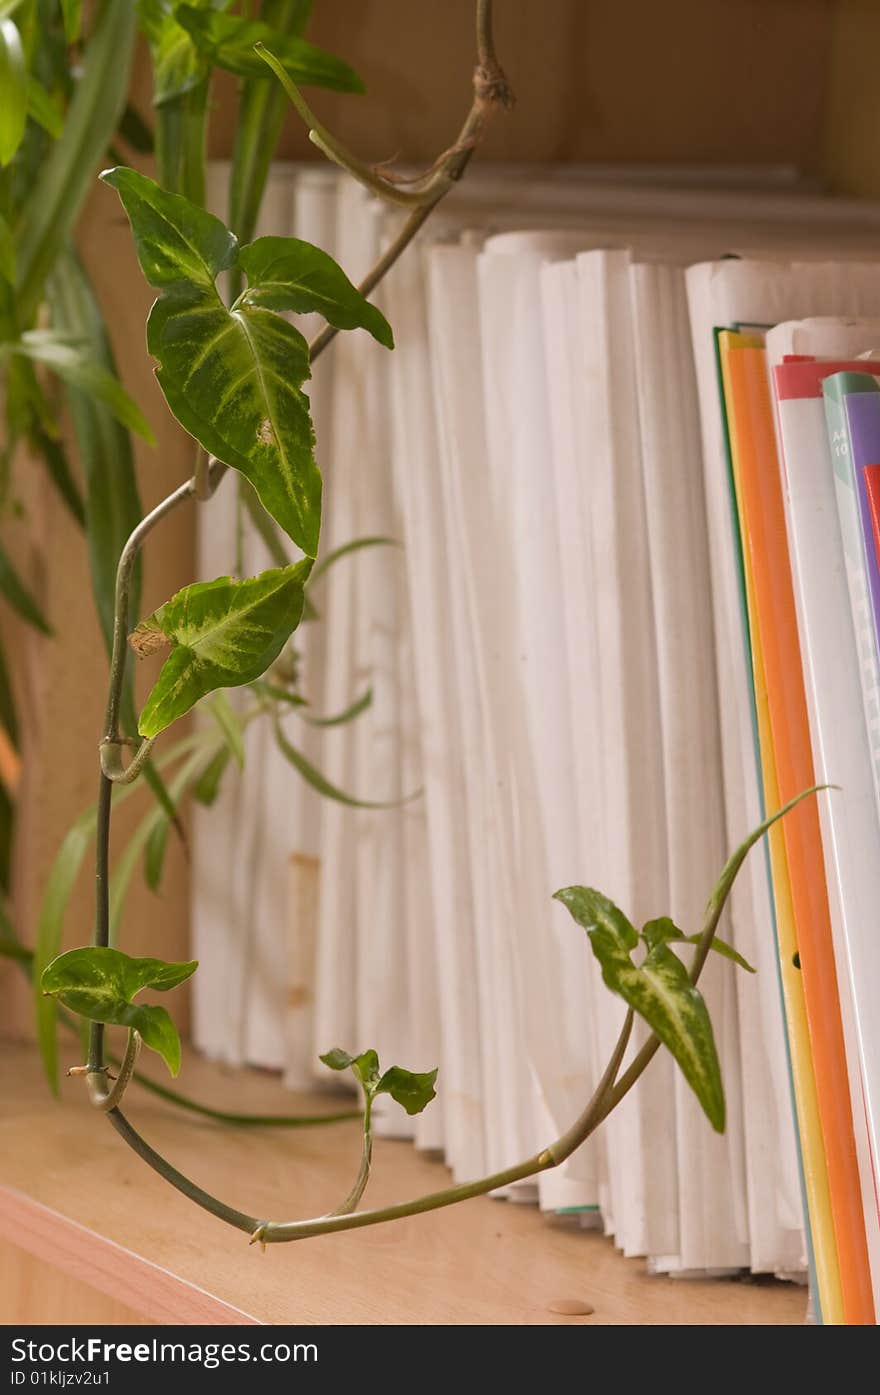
365,1067
74,364
659,990
224,633
409,1089
664,930
228,42
287,274
100,984
13,90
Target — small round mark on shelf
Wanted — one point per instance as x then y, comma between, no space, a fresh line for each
571,1307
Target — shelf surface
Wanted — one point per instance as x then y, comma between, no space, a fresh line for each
62,1169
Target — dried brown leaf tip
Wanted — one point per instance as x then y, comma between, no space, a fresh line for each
148,639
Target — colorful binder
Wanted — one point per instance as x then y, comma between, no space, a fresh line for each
763,524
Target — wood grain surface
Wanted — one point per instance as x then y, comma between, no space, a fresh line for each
483,1262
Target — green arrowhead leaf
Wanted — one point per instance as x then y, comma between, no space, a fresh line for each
227,41
285,273
224,633
233,378
664,930
176,241
659,990
13,90
410,1089
101,983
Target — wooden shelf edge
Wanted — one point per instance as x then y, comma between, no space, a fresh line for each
82,1254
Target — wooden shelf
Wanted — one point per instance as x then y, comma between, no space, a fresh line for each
88,1233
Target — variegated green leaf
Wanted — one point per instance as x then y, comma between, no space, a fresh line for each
101,984
285,273
232,378
223,633
658,989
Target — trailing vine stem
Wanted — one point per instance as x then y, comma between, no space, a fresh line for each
490,91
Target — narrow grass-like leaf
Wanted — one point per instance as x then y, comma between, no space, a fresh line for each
58,466
227,719
13,90
320,783
72,12
207,787
261,112
348,715
42,108
74,364
56,895
154,854
113,507
19,597
7,252
54,202
8,715
125,865
224,633
345,550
